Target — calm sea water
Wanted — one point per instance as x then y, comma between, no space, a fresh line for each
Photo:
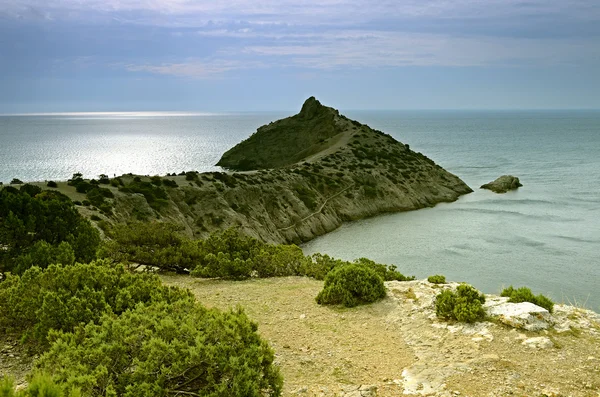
546,235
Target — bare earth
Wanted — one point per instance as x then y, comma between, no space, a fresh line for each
400,347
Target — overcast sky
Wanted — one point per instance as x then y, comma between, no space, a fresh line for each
122,55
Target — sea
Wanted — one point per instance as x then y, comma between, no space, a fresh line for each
546,235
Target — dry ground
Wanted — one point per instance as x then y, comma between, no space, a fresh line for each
399,346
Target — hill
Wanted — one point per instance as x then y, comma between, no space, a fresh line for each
287,141
324,169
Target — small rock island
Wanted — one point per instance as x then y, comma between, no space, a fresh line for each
503,184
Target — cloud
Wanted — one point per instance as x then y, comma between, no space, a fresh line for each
360,50
204,39
187,12
200,69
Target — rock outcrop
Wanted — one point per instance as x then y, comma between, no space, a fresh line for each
523,315
303,177
503,184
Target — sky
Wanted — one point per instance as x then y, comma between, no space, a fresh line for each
261,55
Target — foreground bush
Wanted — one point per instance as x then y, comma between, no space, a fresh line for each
437,279
61,297
464,305
351,285
165,349
319,265
155,244
31,220
39,386
524,294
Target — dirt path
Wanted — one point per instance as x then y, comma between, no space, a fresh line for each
320,208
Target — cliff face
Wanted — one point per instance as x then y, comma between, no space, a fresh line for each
329,170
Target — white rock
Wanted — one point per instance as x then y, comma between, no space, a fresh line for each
540,342
524,315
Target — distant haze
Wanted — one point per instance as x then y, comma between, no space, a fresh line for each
248,55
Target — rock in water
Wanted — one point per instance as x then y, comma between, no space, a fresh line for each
503,184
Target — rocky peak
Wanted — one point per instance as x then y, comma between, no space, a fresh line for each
312,108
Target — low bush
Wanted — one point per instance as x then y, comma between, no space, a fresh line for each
40,385
155,244
165,349
103,179
386,272
156,196
464,305
156,180
437,279
351,285
524,294
61,297
169,183
16,181
51,184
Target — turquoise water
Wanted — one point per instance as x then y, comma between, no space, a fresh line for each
546,235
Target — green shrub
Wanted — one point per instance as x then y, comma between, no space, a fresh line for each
524,294
191,175
386,272
48,216
351,285
16,181
464,305
156,196
103,179
161,349
152,244
31,190
61,297
51,184
320,265
156,180
40,385
169,183
437,279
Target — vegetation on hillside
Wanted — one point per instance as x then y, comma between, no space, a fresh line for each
286,141
524,294
42,227
465,305
351,285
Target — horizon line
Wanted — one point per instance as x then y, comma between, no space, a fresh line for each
192,113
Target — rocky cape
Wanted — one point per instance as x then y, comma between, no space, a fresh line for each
291,181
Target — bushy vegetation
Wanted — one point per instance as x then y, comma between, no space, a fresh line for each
524,294
464,305
51,184
154,244
286,141
165,349
156,196
351,285
40,385
169,183
437,279
61,297
108,332
38,227
231,255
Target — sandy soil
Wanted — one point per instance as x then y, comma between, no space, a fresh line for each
400,347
